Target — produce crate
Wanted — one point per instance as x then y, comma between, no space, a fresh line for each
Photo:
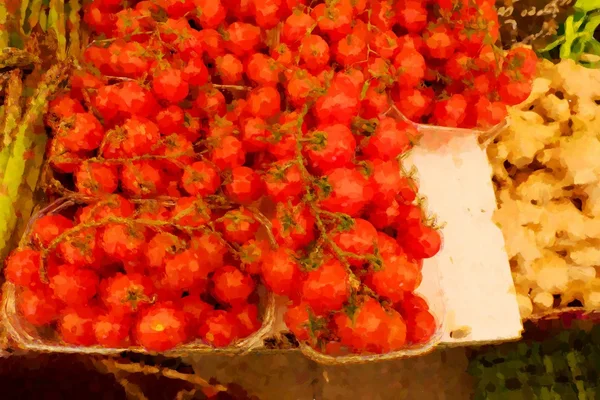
453,175
29,338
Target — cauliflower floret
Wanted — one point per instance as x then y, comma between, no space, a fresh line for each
516,211
552,273
578,80
580,83
545,236
586,126
555,108
541,187
543,300
521,240
591,295
588,256
581,274
568,220
497,153
592,204
524,274
525,306
523,277
579,156
539,88
528,135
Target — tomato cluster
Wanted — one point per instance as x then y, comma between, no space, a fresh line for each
450,71
266,122
114,274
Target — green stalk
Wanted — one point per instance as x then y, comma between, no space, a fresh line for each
22,14
74,25
57,23
44,19
34,13
12,32
12,115
27,192
13,175
4,15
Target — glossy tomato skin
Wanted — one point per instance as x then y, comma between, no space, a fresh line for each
232,286
161,327
293,225
327,288
280,272
22,268
38,307
247,319
76,327
297,319
112,331
345,190
219,329
396,276
330,147
73,285
125,294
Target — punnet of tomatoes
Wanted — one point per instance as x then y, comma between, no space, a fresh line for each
116,274
264,125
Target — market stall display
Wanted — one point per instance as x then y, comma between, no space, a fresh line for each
165,109
286,130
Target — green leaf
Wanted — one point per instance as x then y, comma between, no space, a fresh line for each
579,18
587,5
565,49
592,24
34,16
578,46
553,45
593,47
23,13
44,20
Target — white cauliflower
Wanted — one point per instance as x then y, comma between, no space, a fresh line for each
549,191
540,187
525,306
579,155
585,256
592,204
526,136
556,109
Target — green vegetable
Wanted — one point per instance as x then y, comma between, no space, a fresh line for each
12,115
587,5
35,9
74,24
4,36
57,24
577,40
23,140
44,19
33,167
